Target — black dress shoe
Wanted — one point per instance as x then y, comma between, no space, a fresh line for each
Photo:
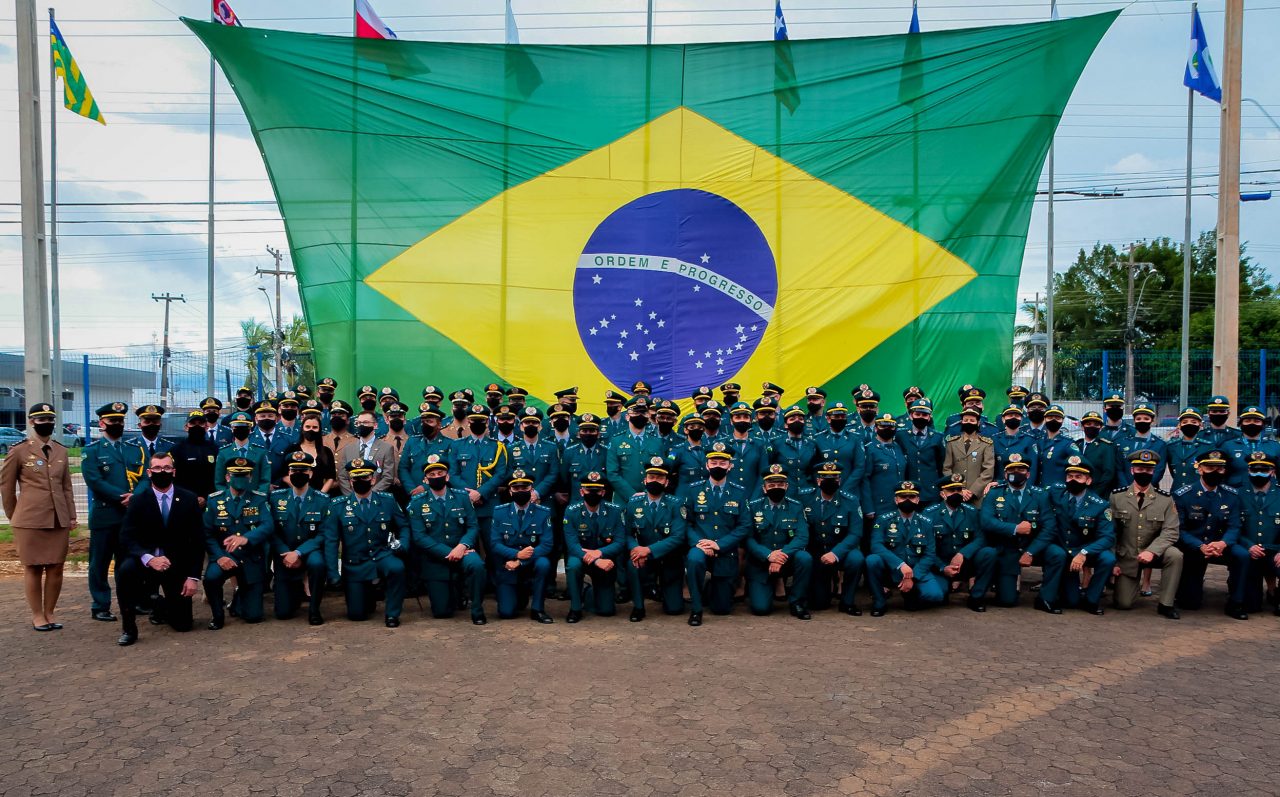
1044,606
574,616
105,616
315,619
852,610
976,604
799,612
392,622
1235,612
1092,608
637,615
539,616
695,619
55,626
877,611
155,619
127,638
42,627
479,619
216,624
1168,611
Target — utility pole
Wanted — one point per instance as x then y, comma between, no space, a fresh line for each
168,299
279,321
1131,319
35,275
55,300
1226,314
1035,350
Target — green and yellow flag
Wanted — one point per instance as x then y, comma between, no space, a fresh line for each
647,214
75,91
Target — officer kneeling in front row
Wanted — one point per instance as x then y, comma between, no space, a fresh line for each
1021,526
442,538
961,546
903,553
835,537
776,543
237,526
1088,538
520,544
656,529
1146,527
368,526
298,539
596,544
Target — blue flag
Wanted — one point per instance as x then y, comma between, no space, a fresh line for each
1200,74
914,27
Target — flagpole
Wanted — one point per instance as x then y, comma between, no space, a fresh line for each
55,302
210,374
1185,368
1047,384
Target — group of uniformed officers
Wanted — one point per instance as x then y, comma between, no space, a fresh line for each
762,501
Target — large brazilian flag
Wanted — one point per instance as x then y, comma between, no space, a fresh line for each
815,212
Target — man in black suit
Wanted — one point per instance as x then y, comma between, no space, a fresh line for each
162,546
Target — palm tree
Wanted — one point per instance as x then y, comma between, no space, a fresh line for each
295,355
1026,349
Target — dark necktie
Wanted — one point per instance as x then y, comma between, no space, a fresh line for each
164,508
45,448
966,446
1141,496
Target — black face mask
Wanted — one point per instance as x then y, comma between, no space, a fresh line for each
460,413
395,424
493,403
712,424
1053,425
288,415
1076,488
506,427
1218,418
886,434
428,432
766,423
592,498
1259,479
161,479
815,408
654,488
521,497
968,428
478,427
742,427
837,424
867,416
299,478
338,423
530,431
1016,479
324,396
829,486
612,410
694,434
43,429
1114,413
1142,479
776,494
1142,426
1213,478
796,429
1189,429
311,435
211,417
365,429
920,423
241,432
1012,423
907,507
1090,432
114,430
717,473
368,404
560,425
571,408
638,421
437,483
588,440
266,425
1251,429
1036,416
195,434
243,403
361,486
954,500
665,427
150,430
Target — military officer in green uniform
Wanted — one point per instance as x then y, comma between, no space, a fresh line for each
238,526
815,419
1185,448
959,542
715,510
1217,433
520,544
776,543
924,447
750,451
614,421
240,448
845,448
1252,440
1144,416
596,545
538,458
1102,454
904,555
712,417
111,469
867,402
297,540
730,393
1209,532
687,460
422,444
886,469
795,451
665,414
580,458
442,541
766,410
1012,439
1260,528
1146,527
656,533
1088,537
971,399
1115,425
431,395
835,536
481,466
366,528
1019,522
630,451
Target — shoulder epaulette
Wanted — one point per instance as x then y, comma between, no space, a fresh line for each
216,493
1101,439
1230,489
1184,489
985,439
281,490
951,437
1162,492
1120,490
258,493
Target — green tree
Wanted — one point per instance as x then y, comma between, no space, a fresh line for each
1024,352
298,364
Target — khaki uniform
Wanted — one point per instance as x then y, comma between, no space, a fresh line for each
397,441
36,492
455,430
974,459
336,442
1153,527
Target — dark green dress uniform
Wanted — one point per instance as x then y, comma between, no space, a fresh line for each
750,456
580,460
1205,516
1111,430
1103,457
1131,444
599,529
887,467
715,512
414,457
110,468
249,515
846,449
777,526
659,525
245,449
1019,443
798,456
1054,453
625,463
1003,510
835,527
367,533
687,462
1217,436
437,525
926,451
897,539
515,528
959,531
1260,526
1085,527
481,464
299,527
540,459
1182,454
1239,452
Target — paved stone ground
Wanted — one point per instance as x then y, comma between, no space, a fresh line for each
947,702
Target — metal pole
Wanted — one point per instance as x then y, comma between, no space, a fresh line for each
209,365
35,276
55,302
648,25
1128,335
168,299
1184,380
1106,368
84,375
1048,302
1226,337
258,352
1035,352
1262,380
228,378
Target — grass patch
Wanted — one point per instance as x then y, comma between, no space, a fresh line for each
6,532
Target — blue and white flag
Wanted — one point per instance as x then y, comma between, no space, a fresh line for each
1200,74
914,27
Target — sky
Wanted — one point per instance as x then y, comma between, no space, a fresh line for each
1124,129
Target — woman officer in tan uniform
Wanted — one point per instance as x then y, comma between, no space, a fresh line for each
35,484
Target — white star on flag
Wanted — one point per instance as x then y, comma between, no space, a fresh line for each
635,356
595,279
661,323
706,258
652,316
639,302
604,324
652,346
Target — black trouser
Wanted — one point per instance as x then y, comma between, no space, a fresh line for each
288,585
134,579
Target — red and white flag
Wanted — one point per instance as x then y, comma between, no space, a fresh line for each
222,13
369,25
